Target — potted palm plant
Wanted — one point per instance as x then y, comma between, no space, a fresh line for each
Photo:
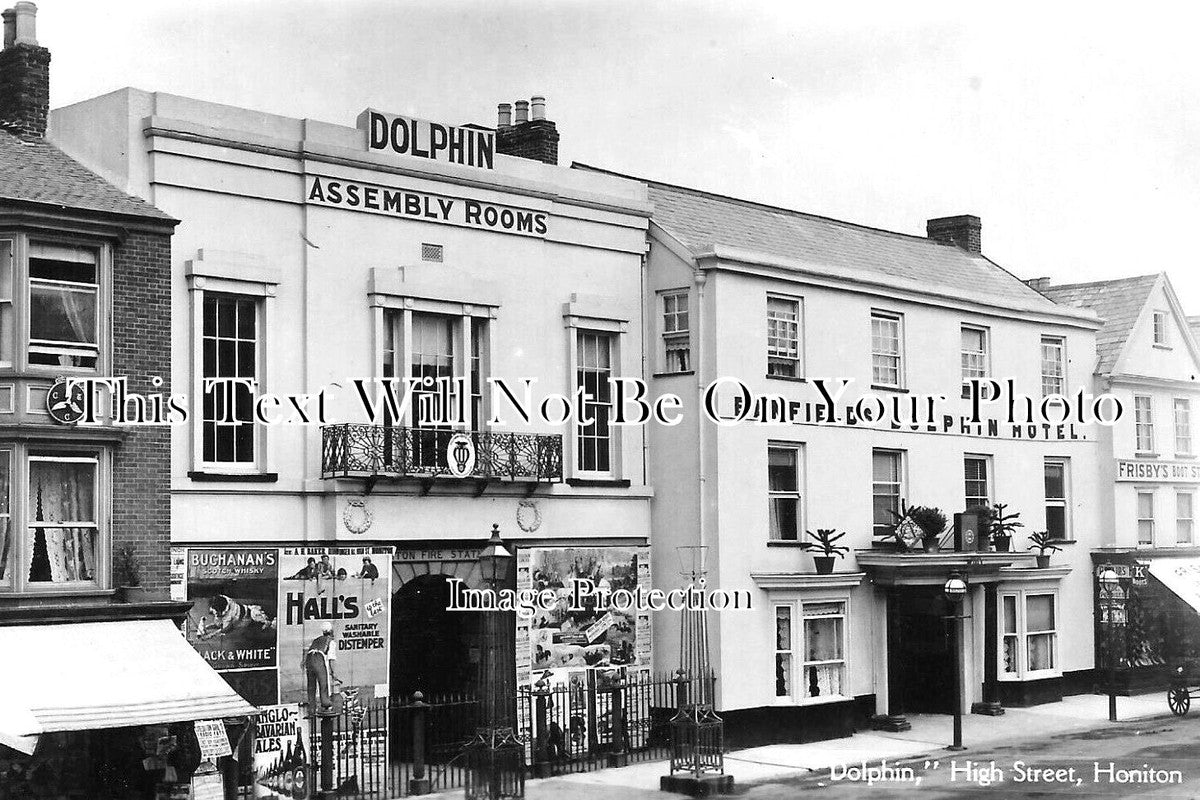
932,522
127,576
997,525
825,540
1041,541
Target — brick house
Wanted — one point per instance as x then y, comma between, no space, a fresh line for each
84,293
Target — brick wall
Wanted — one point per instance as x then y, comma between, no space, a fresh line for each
536,140
24,89
141,327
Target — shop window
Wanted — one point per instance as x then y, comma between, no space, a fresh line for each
676,332
783,337
594,371
1057,505
230,349
1029,631
1160,328
783,651
1183,426
1143,423
817,668
887,487
1183,517
55,497
887,350
977,475
785,479
1145,518
974,358
1053,365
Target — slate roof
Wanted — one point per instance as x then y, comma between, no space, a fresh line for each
35,171
1117,302
701,220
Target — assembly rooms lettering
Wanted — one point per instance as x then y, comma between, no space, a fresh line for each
397,202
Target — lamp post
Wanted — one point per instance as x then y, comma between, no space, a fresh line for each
955,589
697,732
495,757
1113,614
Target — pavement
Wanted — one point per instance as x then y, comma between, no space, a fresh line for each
929,735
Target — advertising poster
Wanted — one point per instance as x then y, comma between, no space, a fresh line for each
281,754
572,638
349,587
232,622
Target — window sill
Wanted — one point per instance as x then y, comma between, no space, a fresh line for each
1146,454
1039,675
880,388
1158,346
1186,456
673,374
786,543
788,378
50,593
613,483
1063,541
233,477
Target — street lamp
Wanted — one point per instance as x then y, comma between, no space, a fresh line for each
1113,613
495,757
697,731
955,590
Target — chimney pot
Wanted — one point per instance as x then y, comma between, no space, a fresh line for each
503,115
10,28
26,28
522,111
964,230
538,107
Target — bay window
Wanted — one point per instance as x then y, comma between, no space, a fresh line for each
810,658
57,289
1029,633
55,497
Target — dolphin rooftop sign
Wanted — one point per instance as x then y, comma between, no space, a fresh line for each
454,144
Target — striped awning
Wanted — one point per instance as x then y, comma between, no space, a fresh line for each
93,675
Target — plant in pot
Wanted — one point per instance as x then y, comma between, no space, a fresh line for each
127,576
932,522
1041,541
825,541
1001,527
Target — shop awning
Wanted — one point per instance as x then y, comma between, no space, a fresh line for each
93,675
1181,576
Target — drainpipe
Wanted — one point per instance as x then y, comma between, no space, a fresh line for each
701,278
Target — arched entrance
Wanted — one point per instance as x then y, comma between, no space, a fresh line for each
434,650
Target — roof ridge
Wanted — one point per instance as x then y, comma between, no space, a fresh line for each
1109,282
769,207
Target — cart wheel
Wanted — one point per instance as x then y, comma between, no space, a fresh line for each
1179,700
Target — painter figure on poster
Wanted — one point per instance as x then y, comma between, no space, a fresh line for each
317,664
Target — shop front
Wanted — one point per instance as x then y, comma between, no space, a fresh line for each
1148,623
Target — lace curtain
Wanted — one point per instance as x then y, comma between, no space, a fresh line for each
62,492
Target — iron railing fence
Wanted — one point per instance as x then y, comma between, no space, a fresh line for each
411,746
354,450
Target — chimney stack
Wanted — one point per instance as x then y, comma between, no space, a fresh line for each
535,139
24,74
963,230
503,115
1040,284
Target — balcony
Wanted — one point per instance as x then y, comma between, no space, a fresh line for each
375,452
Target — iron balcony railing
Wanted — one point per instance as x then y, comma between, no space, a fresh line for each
385,451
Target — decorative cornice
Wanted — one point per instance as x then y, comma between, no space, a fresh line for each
799,581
